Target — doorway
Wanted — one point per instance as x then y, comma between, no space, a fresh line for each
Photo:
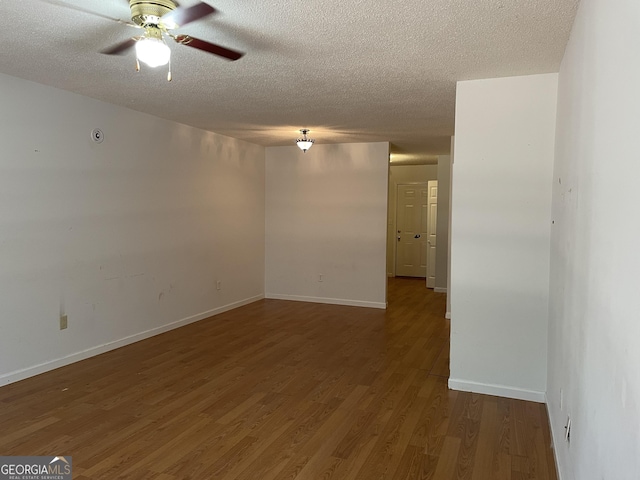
415,227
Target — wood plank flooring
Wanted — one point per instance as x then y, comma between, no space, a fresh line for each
281,390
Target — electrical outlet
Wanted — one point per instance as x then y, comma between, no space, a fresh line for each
218,285
63,322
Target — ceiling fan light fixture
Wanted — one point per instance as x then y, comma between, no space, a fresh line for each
153,51
304,143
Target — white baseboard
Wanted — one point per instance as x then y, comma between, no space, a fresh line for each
497,390
331,301
440,289
447,315
106,347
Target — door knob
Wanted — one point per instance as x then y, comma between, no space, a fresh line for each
417,236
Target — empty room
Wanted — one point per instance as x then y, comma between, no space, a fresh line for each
319,240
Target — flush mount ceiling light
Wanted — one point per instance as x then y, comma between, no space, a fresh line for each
304,143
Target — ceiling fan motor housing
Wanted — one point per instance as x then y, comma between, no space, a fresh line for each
141,10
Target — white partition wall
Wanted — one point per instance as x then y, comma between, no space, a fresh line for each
326,223
594,337
127,237
504,148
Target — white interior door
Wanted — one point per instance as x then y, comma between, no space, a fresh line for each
432,222
411,223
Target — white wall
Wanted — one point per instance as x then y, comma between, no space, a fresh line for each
125,237
326,214
442,228
452,161
504,149
594,337
402,174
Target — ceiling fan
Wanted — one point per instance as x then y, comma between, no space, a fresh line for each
158,18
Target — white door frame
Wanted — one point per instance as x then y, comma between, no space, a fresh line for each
432,242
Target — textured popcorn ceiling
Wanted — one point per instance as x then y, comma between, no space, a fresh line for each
351,71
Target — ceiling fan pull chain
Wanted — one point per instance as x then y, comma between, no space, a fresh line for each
137,65
169,76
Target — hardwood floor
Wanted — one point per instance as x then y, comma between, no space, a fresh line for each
281,390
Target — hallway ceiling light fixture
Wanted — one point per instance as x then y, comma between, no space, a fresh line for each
305,143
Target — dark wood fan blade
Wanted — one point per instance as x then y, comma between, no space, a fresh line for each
208,47
120,48
181,16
